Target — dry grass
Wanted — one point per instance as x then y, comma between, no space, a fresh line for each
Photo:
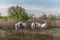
26,34
9,23
31,34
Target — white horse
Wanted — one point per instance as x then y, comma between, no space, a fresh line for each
17,25
33,25
44,25
38,25
24,24
20,25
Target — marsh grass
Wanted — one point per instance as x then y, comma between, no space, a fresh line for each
26,35
23,34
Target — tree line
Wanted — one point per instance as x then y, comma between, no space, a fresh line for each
19,13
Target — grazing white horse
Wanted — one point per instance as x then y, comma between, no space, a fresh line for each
20,25
33,25
44,25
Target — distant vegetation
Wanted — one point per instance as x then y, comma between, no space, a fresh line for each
18,12
50,18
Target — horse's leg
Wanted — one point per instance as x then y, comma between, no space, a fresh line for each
16,27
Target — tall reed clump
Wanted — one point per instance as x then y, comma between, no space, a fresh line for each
7,24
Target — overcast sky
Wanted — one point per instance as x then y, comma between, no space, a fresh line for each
36,7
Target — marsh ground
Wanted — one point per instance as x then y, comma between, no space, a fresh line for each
24,34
